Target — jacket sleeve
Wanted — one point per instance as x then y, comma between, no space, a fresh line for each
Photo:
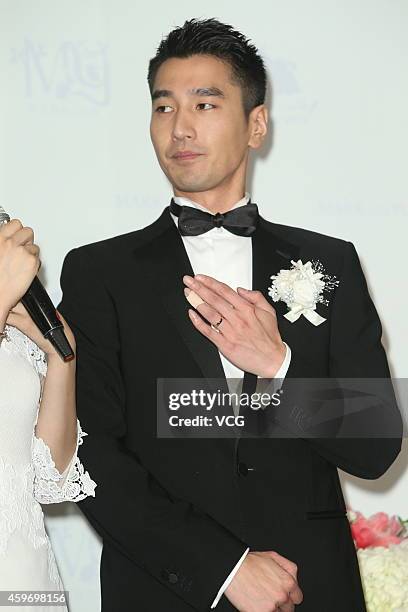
352,419
176,542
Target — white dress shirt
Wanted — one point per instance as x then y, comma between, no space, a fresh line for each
227,258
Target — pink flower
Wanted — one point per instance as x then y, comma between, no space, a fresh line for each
378,530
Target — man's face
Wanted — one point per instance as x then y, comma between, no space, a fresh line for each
196,108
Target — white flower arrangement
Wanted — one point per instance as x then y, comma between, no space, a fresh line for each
384,574
381,541
301,288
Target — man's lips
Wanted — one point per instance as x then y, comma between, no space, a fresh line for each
186,155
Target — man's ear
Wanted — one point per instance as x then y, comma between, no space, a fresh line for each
258,122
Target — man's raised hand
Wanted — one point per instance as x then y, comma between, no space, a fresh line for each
248,335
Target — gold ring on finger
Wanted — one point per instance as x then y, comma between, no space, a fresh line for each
216,325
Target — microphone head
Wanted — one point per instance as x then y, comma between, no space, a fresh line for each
4,217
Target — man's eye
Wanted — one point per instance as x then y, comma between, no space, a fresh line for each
158,109
205,104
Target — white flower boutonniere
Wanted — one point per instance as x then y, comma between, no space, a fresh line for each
301,289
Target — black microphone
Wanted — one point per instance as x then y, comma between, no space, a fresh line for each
42,311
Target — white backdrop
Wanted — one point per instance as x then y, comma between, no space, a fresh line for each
76,162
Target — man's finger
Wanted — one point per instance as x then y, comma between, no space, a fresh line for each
218,339
296,594
210,313
216,301
194,299
256,298
221,289
286,608
287,565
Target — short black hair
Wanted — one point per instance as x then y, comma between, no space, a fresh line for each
211,37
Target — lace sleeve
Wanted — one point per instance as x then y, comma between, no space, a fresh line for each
51,486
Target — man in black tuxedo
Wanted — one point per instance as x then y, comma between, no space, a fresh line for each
251,524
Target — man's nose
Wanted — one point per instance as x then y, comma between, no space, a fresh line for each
183,126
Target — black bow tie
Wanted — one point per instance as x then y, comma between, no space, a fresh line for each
192,221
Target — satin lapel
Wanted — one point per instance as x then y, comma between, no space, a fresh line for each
270,254
166,261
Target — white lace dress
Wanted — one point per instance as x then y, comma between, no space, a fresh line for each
28,476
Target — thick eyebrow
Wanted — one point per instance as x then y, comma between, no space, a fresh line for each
198,91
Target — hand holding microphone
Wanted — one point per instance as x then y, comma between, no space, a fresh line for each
19,264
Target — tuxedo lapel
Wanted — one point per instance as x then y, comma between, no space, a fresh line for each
166,261
270,253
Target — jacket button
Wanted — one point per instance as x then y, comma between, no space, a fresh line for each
242,468
169,576
173,578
